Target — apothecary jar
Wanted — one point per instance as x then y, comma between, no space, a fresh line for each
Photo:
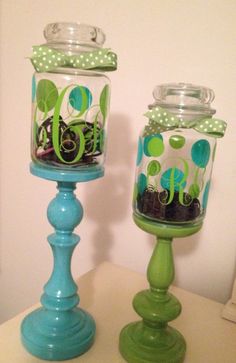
176,150
70,95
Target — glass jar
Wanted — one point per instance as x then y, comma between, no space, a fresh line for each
70,101
176,154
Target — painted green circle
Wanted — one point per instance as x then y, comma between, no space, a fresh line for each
177,141
146,141
46,95
153,168
155,146
194,190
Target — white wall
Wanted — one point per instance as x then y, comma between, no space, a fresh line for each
157,41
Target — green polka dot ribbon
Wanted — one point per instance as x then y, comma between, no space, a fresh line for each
47,59
161,120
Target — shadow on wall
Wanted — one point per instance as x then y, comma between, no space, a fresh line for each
110,204
184,247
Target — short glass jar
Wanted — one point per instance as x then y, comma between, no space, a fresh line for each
176,154
70,103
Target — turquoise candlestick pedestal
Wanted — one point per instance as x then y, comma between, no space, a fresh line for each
60,330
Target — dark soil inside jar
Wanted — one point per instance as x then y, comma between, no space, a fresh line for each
70,143
153,204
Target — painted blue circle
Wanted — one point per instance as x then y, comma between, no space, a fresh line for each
142,183
178,176
80,98
33,88
206,194
140,152
201,153
146,142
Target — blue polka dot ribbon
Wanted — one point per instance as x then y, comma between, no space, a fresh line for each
45,59
161,120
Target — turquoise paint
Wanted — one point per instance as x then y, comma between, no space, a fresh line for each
140,152
142,183
146,141
206,194
80,98
178,176
33,88
60,329
200,153
76,176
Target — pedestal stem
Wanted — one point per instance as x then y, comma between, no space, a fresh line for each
160,271
152,340
64,213
60,330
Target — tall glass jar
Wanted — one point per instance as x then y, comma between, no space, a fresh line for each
70,95
175,155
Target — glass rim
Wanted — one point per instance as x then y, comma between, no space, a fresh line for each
74,33
179,95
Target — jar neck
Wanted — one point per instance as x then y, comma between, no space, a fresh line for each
73,38
186,101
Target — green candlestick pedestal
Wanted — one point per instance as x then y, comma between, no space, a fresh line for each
152,340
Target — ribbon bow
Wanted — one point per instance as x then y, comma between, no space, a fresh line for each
161,120
47,59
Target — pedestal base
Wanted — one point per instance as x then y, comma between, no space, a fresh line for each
60,329
143,344
53,335
152,340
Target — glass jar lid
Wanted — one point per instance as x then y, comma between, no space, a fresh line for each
74,34
185,97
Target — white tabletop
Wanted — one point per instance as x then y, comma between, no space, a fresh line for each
107,293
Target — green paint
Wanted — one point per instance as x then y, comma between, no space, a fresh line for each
152,339
194,190
35,127
55,131
153,168
135,192
95,133
45,59
177,141
166,230
161,120
155,147
85,102
104,101
175,179
102,140
214,152
46,95
183,183
44,137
